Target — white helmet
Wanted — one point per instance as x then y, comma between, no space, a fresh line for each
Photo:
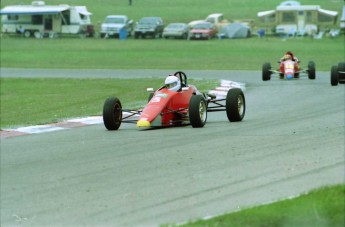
173,83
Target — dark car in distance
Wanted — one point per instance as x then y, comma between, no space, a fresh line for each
149,26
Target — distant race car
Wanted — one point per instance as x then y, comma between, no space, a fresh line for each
288,70
167,108
338,74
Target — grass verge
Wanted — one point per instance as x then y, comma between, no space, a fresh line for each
324,207
236,54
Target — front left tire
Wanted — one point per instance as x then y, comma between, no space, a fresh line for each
334,75
235,105
266,73
197,111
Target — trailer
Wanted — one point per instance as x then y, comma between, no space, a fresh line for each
40,20
292,18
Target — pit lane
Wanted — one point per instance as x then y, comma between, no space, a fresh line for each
291,141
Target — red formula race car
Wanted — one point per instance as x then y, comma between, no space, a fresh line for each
288,69
338,74
175,108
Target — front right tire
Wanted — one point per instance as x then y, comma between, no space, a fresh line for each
266,73
112,113
311,70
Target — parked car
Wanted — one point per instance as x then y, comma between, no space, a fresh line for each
176,30
149,26
202,30
114,23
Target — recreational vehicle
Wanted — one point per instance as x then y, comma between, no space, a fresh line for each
342,20
39,19
298,19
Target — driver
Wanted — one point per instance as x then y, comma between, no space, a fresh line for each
289,55
173,83
285,58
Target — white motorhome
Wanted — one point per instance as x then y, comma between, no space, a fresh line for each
342,19
295,18
39,19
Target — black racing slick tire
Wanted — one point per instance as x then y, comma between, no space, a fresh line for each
112,113
235,105
197,111
334,75
311,70
266,73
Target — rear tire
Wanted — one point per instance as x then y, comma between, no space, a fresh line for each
334,75
112,113
266,73
235,105
197,111
311,70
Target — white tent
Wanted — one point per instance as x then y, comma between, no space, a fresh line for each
235,30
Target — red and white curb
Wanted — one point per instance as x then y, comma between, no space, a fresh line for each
72,123
225,86
220,92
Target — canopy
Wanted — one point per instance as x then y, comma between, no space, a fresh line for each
32,10
236,30
83,10
328,12
290,3
266,13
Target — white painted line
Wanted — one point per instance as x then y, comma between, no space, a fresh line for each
88,120
39,129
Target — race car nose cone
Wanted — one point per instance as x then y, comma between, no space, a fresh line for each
143,123
289,76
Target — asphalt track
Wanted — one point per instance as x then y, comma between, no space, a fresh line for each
291,141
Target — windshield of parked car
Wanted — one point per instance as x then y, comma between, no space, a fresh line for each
202,26
176,26
112,20
148,21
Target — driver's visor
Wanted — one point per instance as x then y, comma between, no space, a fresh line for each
171,85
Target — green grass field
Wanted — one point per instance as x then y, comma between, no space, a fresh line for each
319,208
237,54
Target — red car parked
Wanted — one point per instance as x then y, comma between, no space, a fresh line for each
203,30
